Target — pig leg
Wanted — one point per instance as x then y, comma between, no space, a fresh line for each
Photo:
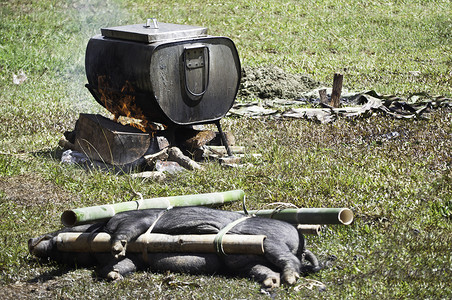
127,226
280,255
42,246
266,276
280,246
116,269
193,263
254,267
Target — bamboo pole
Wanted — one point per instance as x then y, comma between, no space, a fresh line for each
103,212
155,242
309,229
342,216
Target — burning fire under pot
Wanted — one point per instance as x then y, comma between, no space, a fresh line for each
177,75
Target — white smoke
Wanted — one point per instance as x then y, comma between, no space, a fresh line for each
88,17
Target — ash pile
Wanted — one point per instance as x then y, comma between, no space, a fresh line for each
123,145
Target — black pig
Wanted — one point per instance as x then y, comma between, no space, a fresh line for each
284,248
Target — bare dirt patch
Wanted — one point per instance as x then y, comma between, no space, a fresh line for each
32,190
270,82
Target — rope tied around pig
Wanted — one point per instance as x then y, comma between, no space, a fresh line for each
135,194
148,232
218,241
280,206
91,237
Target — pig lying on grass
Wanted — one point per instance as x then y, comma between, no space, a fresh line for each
284,247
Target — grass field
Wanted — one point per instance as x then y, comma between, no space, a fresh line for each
400,189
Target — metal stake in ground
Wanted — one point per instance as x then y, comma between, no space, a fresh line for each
223,138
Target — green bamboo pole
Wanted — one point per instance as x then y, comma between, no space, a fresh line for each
103,212
308,215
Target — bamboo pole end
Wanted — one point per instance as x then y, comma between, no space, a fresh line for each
69,218
346,216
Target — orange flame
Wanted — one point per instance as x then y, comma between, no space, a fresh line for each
122,105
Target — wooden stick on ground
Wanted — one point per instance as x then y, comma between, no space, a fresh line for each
323,97
337,88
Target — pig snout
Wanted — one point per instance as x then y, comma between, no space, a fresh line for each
41,246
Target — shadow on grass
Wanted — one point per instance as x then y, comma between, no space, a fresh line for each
52,154
87,164
59,270
52,274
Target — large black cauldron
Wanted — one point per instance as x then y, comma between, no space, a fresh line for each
167,73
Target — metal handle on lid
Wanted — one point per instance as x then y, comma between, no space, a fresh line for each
152,23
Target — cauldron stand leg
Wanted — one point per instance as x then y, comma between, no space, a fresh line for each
223,138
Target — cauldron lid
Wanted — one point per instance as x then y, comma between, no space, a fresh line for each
149,34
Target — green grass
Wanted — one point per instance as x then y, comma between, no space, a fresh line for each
399,189
374,43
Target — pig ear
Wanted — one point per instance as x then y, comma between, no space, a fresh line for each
113,223
117,219
127,217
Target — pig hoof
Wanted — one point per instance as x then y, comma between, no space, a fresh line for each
271,282
290,277
118,249
114,275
